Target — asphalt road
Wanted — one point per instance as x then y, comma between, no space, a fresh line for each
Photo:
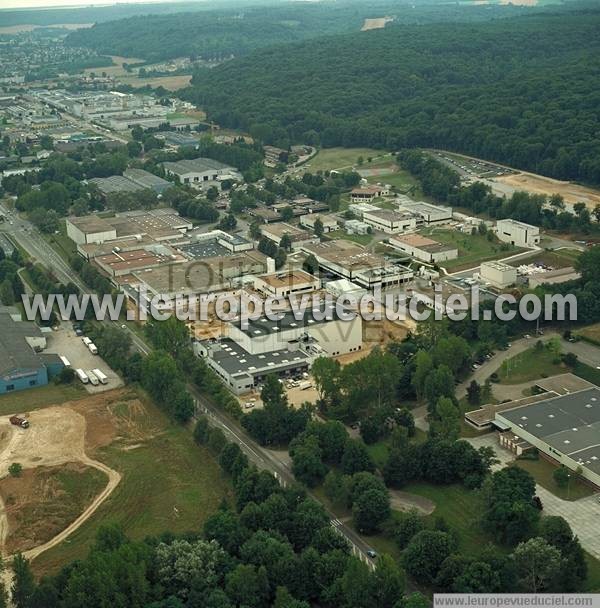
29,239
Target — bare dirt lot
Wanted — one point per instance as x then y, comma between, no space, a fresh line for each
42,502
54,443
538,184
375,24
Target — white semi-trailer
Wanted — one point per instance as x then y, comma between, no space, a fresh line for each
100,375
82,376
93,379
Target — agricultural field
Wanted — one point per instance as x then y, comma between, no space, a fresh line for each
126,462
472,249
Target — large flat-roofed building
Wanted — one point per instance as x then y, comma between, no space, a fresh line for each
125,262
160,224
518,233
115,184
498,274
429,214
566,428
423,248
359,209
297,236
390,222
329,222
147,180
242,371
283,284
208,275
90,229
22,365
351,261
215,242
200,170
283,347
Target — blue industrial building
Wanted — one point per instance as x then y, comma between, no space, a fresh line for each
22,365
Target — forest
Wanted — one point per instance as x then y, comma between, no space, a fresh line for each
518,91
222,33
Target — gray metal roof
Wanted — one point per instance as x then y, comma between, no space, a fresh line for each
197,165
115,183
146,179
568,423
233,359
15,353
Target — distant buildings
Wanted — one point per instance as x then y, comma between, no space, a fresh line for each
518,233
283,284
329,222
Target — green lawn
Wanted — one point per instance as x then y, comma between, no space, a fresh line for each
37,398
591,333
554,259
402,180
341,158
63,245
542,471
460,508
169,484
361,239
530,365
472,249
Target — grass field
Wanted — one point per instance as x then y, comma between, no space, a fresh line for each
553,259
168,482
472,249
402,180
591,333
460,508
542,471
361,239
341,158
529,365
36,398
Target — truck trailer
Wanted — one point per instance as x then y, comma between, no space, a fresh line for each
65,361
82,376
87,341
100,375
93,378
93,348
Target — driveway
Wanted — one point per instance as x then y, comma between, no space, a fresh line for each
583,515
586,353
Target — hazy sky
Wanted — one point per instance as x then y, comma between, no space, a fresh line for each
57,3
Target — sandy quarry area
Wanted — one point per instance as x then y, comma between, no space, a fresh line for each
57,436
375,24
538,184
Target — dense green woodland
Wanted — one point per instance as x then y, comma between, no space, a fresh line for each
519,91
229,31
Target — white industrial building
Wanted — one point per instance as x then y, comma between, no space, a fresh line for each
498,274
90,229
297,236
423,248
348,260
330,222
428,213
283,284
390,222
285,347
518,233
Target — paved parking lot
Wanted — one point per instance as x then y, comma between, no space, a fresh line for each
65,342
583,515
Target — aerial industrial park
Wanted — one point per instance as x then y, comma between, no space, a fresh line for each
244,336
